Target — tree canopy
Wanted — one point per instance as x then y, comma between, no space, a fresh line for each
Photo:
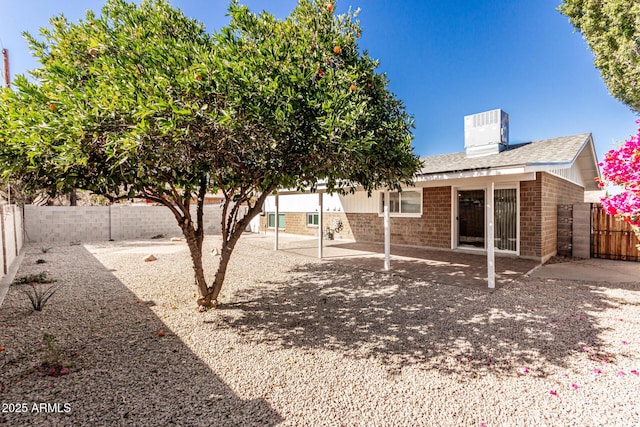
612,31
140,101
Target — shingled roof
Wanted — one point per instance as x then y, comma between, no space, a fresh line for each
556,151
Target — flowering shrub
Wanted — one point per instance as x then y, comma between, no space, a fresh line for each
622,168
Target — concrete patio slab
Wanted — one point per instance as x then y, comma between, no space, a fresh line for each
430,265
591,270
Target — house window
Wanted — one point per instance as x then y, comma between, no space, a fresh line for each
407,202
312,219
271,220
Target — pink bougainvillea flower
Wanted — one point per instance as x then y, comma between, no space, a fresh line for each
585,348
634,372
581,318
553,393
621,374
597,371
483,425
554,320
624,342
525,371
622,168
574,386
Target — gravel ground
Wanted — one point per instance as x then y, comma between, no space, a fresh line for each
298,341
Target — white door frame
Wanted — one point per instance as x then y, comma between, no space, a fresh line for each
455,225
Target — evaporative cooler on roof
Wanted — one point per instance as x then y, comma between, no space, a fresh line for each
486,133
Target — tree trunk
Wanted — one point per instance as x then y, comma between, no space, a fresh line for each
195,248
231,239
225,256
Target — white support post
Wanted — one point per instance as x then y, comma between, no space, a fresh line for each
491,267
320,242
277,222
387,239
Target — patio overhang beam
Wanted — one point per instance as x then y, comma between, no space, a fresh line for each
524,175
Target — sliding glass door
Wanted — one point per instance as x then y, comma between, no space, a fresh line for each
506,219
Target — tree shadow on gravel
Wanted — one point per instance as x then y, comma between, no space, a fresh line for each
406,322
121,371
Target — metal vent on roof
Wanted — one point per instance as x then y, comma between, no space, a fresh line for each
486,133
486,118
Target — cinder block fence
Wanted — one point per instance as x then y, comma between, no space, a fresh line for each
118,222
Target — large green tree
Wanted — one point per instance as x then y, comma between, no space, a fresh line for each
612,31
141,101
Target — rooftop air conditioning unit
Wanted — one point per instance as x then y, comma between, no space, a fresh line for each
486,133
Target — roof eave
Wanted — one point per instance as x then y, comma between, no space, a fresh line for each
471,173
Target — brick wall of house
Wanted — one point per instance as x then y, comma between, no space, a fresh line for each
433,229
555,191
530,218
296,223
539,202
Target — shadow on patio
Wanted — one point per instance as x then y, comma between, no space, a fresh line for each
430,265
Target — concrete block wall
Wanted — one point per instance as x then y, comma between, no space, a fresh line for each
136,221
11,235
66,223
100,223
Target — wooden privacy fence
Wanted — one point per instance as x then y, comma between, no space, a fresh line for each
612,238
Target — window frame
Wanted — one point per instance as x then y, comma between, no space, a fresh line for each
384,201
317,219
272,215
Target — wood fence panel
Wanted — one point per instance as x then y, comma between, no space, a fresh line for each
611,237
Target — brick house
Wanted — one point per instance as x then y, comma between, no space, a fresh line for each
449,204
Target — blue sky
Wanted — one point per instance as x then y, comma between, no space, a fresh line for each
445,59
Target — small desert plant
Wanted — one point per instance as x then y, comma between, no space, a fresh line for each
75,243
52,364
45,250
39,295
34,278
158,236
41,261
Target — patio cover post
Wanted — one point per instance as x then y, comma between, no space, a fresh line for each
491,267
320,243
387,239
275,241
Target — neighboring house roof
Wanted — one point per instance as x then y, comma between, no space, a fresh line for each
549,154
594,196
